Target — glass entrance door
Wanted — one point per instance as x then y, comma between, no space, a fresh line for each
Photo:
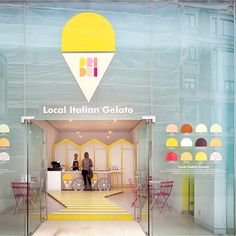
144,147
36,204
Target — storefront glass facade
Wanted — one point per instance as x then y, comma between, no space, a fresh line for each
173,60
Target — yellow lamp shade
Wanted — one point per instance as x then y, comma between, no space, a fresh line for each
4,142
88,32
4,128
171,128
186,156
201,156
186,142
201,128
216,142
216,128
67,177
172,142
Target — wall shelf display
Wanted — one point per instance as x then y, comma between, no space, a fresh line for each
201,156
4,156
215,142
171,128
4,143
201,142
171,156
172,142
216,128
186,142
186,156
4,129
186,128
201,128
216,156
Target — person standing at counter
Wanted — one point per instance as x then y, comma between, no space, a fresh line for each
75,162
87,164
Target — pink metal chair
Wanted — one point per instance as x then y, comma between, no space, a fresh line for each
134,192
21,193
161,196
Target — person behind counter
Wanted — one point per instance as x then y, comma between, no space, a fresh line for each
87,164
75,162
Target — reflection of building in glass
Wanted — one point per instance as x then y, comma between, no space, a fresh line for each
207,73
2,86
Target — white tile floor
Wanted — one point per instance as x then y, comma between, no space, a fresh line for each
89,228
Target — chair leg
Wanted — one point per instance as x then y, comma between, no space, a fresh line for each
134,202
18,202
164,203
154,201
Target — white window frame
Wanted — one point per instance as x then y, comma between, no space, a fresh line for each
190,77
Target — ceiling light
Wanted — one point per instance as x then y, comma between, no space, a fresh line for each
109,132
115,120
77,132
108,136
80,136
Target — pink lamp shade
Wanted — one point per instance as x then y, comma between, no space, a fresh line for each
171,156
171,128
216,156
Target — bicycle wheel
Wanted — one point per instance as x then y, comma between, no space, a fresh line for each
78,184
104,184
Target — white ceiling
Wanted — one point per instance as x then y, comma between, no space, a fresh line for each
94,126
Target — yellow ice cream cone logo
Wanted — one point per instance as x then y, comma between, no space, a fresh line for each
88,46
67,178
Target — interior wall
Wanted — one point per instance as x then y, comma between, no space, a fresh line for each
101,136
52,136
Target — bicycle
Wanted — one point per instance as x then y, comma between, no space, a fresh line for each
102,183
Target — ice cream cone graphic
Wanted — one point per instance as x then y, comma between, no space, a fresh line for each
67,179
88,46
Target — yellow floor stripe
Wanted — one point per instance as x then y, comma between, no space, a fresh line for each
87,206
90,217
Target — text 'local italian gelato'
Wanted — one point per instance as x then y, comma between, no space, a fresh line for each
87,110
